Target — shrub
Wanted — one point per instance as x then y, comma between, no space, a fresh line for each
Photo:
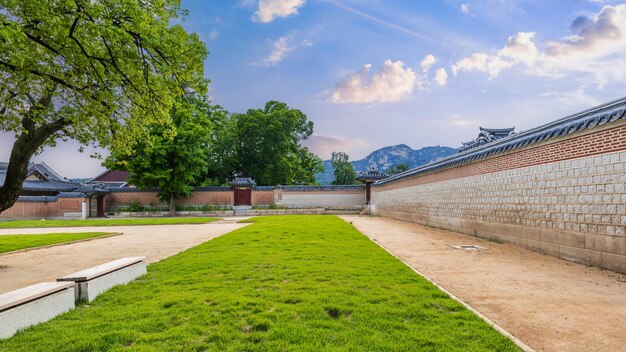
134,206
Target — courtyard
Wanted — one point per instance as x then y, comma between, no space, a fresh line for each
317,283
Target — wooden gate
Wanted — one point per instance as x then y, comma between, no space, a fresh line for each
100,205
243,196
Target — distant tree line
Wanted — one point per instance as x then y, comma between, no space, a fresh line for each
205,145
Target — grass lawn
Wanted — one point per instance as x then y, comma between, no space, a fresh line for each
290,283
9,243
20,224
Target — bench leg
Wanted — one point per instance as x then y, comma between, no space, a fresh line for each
89,290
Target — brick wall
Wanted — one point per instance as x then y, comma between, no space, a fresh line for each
120,199
208,198
262,197
565,198
43,210
323,198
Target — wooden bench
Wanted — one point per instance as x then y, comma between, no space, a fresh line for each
34,304
89,283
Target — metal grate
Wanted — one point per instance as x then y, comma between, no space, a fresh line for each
468,247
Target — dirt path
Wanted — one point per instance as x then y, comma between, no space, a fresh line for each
548,303
155,242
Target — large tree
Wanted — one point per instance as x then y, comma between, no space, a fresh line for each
267,145
94,71
172,157
344,171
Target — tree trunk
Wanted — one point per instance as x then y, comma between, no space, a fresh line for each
23,149
25,146
172,204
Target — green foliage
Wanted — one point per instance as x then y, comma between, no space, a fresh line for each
20,224
94,71
282,283
267,145
112,66
222,160
268,206
172,157
10,243
204,208
344,171
133,206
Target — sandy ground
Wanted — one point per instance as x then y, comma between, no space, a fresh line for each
548,303
154,242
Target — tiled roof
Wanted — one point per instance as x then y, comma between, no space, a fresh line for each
371,175
112,184
132,190
242,182
45,170
213,188
27,199
584,120
93,189
113,176
52,183
70,195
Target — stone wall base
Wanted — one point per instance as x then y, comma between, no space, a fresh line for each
602,251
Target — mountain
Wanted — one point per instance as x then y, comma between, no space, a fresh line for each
385,158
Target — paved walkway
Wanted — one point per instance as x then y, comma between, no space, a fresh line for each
155,242
548,303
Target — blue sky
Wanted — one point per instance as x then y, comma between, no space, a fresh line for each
372,73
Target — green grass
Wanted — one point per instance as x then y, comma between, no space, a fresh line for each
9,243
18,224
289,283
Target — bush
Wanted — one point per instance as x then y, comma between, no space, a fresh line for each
134,206
206,207
268,206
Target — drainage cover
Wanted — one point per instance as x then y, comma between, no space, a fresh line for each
468,247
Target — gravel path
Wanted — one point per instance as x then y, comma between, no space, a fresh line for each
154,242
548,303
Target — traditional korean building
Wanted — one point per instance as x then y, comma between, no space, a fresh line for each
41,180
44,185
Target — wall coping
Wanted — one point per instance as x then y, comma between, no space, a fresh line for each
36,199
322,188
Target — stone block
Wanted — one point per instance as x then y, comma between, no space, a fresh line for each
32,305
614,262
571,239
580,255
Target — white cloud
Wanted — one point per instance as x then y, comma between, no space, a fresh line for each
441,77
427,62
323,146
270,9
465,8
460,121
283,46
392,82
596,47
213,35
572,98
